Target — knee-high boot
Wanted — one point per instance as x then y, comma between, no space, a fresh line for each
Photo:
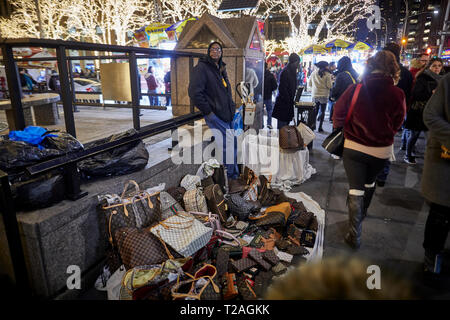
368,195
355,211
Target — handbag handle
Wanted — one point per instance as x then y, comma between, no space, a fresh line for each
136,186
353,103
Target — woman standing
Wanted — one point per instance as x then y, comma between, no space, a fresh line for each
284,104
426,83
436,175
152,85
379,110
321,83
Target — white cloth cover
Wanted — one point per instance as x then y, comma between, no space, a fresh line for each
315,254
190,182
262,154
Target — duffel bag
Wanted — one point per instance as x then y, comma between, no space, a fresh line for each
290,138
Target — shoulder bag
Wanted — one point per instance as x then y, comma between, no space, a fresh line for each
334,143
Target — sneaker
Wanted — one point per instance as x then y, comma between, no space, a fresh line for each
402,148
410,160
269,127
335,157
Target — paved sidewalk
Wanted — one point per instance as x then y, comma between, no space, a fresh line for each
393,231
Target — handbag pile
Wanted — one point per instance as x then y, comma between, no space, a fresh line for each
195,242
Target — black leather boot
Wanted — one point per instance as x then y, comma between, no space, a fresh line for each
368,195
355,212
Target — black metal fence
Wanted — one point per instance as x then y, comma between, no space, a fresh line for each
67,94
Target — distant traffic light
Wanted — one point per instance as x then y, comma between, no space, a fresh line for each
428,50
404,41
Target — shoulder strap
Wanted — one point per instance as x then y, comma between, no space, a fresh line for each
352,106
353,79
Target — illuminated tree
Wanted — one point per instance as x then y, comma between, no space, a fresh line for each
24,23
338,17
99,21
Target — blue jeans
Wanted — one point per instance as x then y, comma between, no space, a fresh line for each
405,135
382,176
412,139
269,107
152,99
330,109
224,135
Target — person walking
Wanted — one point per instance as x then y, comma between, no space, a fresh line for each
345,77
378,111
284,103
210,91
152,85
405,83
270,85
426,83
436,176
320,83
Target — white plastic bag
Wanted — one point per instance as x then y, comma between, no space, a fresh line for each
114,283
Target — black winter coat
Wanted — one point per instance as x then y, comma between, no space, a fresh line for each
284,104
270,84
405,83
342,82
208,92
422,92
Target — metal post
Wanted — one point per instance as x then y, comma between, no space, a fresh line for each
66,93
72,86
134,90
14,87
13,237
444,28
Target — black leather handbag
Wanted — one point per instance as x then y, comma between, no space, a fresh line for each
334,143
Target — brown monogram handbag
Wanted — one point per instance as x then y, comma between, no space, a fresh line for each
139,247
216,202
290,138
138,210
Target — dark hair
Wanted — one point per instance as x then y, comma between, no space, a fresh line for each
434,59
149,68
322,65
394,48
386,62
423,54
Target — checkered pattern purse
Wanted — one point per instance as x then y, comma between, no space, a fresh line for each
184,233
194,200
138,247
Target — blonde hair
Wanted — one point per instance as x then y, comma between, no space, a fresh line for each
336,278
385,62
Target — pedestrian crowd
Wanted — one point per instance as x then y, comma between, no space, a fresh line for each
372,108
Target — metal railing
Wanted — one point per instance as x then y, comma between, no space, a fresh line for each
67,93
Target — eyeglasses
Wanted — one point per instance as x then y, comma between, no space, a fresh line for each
216,49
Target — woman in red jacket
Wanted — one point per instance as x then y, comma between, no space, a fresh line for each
378,113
